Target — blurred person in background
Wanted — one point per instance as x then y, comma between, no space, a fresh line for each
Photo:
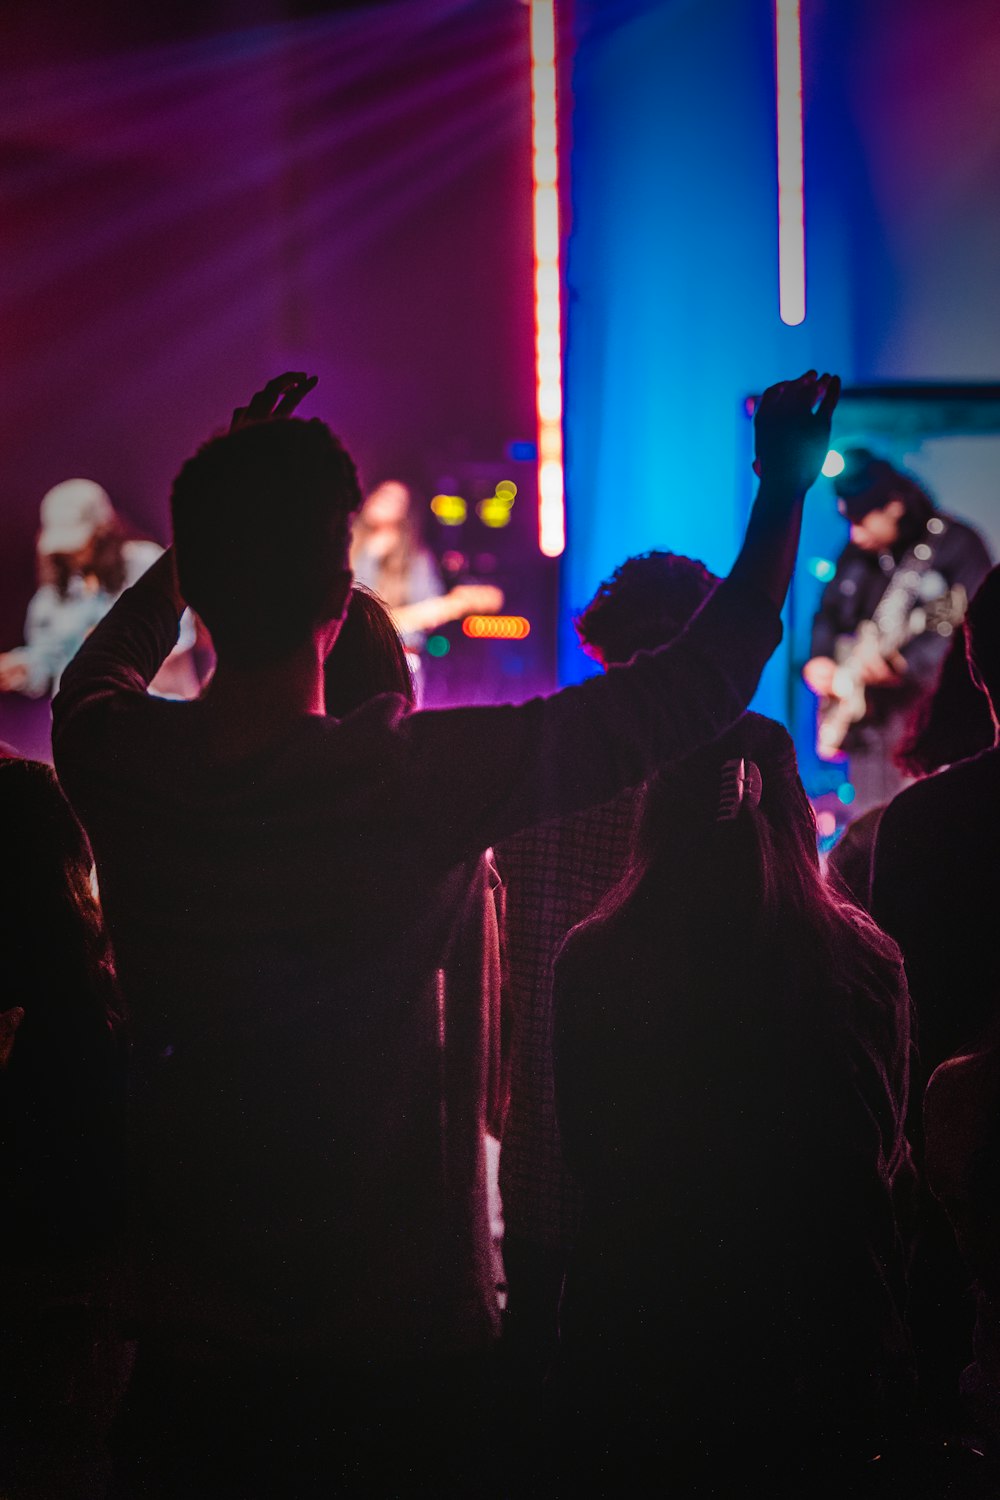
885,619
389,557
85,559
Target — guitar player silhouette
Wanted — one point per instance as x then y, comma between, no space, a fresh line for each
886,618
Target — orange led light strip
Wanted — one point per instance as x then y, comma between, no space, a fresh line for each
548,316
791,200
496,627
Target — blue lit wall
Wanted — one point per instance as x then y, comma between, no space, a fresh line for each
672,307
672,312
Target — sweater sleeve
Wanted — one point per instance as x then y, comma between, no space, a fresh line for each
118,660
472,776
482,774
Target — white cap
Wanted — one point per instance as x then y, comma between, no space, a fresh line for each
70,513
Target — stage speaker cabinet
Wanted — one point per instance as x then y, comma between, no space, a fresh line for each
482,526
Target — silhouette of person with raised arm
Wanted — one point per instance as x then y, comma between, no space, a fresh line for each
279,885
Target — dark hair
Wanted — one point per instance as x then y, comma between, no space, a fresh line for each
982,633
951,722
261,518
645,603
750,890
107,562
368,657
393,570
51,927
870,483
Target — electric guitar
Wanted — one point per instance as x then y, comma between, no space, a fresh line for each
899,618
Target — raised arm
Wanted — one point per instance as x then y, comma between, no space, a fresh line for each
125,651
792,438
482,774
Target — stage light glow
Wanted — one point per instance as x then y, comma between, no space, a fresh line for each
833,464
826,824
791,199
507,490
494,511
438,645
550,402
846,793
450,510
550,445
548,312
496,627
822,568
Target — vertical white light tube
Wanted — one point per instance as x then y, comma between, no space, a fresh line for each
791,202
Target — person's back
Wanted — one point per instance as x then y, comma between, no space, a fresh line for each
952,723
554,876
62,1107
935,888
282,887
279,939
730,1055
962,1132
61,1062
936,880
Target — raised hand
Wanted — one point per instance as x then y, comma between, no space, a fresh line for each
279,398
792,430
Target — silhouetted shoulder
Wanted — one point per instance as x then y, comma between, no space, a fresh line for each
955,784
934,832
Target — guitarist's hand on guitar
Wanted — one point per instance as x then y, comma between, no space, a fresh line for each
818,674
876,671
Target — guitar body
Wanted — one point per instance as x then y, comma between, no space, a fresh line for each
900,619
847,704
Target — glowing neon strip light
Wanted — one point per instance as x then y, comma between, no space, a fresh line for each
548,315
791,202
496,627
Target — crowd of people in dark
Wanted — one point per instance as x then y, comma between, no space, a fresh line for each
281,956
